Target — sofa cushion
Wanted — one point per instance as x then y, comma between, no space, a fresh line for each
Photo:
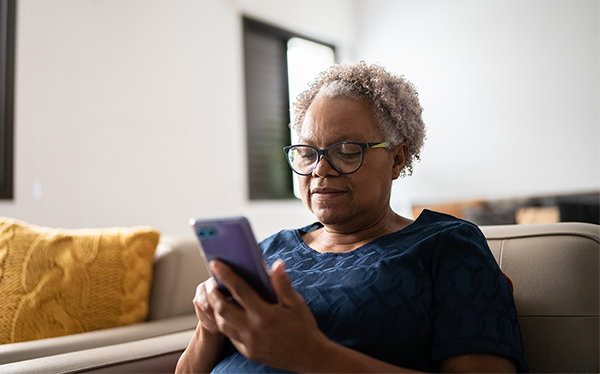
58,282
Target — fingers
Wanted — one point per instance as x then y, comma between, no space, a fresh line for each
227,316
269,333
236,320
241,291
215,312
204,309
282,285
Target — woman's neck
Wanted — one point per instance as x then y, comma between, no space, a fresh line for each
341,238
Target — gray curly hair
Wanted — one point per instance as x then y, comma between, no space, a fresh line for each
395,103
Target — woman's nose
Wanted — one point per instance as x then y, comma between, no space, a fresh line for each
324,168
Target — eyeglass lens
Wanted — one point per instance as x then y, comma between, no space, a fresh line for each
344,157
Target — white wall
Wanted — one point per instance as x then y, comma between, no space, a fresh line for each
510,90
132,111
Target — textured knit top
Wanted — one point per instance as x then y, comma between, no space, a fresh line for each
411,298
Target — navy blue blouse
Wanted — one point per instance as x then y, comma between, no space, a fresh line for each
411,298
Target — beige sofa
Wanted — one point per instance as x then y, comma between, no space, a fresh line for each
554,269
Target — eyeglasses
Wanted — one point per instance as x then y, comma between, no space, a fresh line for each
345,157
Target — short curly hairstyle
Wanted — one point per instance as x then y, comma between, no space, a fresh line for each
395,102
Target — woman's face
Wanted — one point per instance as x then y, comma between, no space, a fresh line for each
347,202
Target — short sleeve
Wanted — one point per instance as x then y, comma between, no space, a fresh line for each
474,309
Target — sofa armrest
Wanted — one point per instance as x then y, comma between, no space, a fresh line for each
153,355
55,346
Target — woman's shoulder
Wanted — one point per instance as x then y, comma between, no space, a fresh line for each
430,221
443,219
434,229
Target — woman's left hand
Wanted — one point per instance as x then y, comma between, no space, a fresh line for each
282,335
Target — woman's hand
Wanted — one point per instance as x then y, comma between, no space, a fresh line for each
204,310
282,335
206,347
285,335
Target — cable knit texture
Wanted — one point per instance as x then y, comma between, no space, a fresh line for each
56,282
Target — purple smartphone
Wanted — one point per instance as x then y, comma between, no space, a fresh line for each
231,240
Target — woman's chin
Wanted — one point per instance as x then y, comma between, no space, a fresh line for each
330,217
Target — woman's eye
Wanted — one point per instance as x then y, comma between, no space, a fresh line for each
305,156
349,155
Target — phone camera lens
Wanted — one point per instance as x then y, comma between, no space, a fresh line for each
206,233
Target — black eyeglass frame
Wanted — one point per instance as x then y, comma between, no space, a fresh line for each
325,152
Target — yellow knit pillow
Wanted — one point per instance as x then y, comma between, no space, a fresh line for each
56,282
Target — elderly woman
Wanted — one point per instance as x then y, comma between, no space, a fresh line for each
363,289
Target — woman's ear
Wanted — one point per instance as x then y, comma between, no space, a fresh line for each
400,152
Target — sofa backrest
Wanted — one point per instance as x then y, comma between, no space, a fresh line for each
554,268
178,269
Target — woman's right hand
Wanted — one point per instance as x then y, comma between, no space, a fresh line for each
205,349
204,310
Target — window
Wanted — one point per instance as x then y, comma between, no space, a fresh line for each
7,58
278,66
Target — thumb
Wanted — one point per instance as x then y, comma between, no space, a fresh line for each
282,285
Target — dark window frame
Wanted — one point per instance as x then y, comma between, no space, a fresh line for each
7,77
276,188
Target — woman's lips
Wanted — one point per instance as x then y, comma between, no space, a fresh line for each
326,193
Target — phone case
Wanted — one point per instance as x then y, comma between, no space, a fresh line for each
231,240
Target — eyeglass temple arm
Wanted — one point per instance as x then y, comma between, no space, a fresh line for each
379,145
